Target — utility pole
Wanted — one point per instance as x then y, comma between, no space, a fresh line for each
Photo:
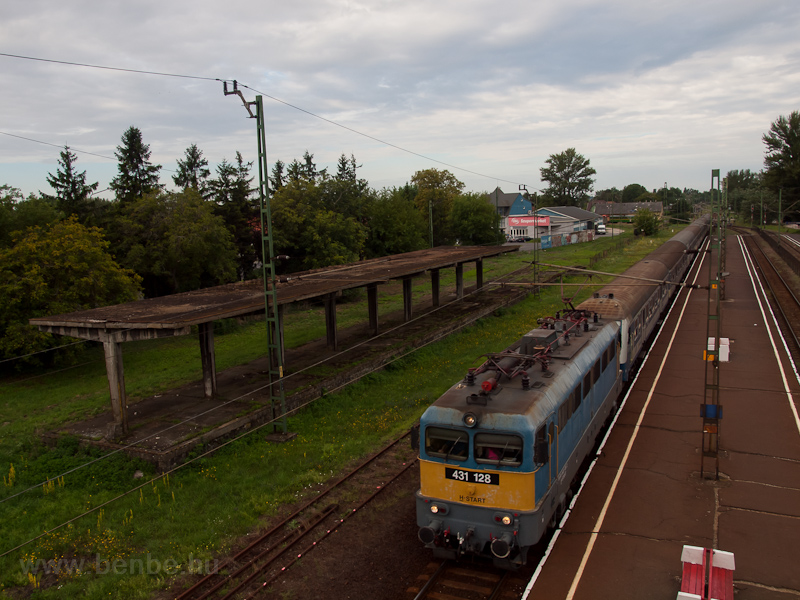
272,312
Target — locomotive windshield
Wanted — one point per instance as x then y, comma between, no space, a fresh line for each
446,443
498,448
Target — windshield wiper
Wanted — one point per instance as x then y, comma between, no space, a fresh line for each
447,456
502,454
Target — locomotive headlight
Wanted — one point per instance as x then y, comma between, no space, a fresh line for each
439,509
434,509
503,518
470,419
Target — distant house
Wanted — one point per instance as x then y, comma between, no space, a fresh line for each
512,204
624,210
569,219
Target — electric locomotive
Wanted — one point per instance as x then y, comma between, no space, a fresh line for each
499,451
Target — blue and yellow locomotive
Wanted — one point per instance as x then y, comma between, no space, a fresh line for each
500,449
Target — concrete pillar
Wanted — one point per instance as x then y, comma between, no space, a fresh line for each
116,386
330,321
206,331
435,287
407,298
372,304
460,281
479,273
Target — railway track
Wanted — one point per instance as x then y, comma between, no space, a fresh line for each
450,580
781,291
262,562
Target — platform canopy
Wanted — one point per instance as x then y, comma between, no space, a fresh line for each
175,314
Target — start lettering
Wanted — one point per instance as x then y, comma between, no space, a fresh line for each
472,499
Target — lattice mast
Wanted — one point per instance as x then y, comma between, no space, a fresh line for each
711,409
277,396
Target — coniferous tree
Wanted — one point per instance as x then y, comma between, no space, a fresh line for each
137,175
193,171
346,168
72,191
232,193
278,179
294,172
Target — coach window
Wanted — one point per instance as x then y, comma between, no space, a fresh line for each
587,384
498,448
575,400
605,358
596,371
446,443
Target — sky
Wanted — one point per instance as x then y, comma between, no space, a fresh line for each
651,92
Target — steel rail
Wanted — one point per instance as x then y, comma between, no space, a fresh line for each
260,540
754,245
432,580
313,545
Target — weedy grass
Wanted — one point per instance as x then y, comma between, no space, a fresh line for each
186,520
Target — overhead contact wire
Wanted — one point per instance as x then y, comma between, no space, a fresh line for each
275,99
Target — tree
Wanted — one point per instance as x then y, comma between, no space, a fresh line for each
609,195
17,215
175,242
137,175
632,191
436,192
308,231
741,180
53,270
569,176
394,223
473,220
36,210
294,172
782,156
72,191
9,196
646,222
278,179
232,194
682,210
193,171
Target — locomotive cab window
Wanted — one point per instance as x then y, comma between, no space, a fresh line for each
446,443
498,448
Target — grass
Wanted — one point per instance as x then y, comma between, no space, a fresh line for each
199,511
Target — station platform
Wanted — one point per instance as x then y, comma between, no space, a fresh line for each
645,497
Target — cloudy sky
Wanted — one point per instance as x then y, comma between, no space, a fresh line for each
649,91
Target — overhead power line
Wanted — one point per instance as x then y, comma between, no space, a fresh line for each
27,139
77,64
273,98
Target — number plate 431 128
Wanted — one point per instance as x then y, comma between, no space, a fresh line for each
472,476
